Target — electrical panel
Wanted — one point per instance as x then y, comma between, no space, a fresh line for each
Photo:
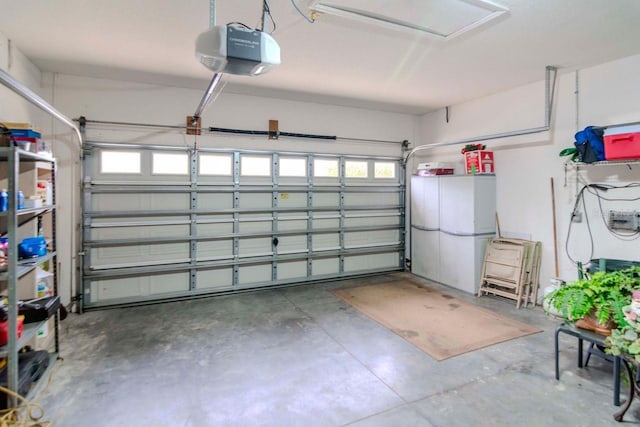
619,220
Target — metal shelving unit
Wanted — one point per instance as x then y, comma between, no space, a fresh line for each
15,218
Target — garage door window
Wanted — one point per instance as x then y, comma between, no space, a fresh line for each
325,168
385,170
119,162
215,164
255,166
356,169
293,167
170,164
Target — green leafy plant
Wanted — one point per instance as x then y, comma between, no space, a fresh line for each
604,294
625,341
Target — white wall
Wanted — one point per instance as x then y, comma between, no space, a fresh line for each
111,100
607,94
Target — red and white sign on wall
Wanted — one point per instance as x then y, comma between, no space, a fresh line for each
479,161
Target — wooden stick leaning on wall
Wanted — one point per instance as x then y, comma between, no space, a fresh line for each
555,230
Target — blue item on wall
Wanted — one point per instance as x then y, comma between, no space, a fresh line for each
4,201
590,144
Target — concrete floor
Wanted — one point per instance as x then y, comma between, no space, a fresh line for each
301,357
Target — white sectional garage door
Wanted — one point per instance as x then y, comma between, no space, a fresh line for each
162,223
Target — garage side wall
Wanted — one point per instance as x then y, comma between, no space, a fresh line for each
602,95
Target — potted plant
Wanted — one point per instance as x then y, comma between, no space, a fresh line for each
626,340
596,302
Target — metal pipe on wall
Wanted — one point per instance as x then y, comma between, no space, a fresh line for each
548,110
36,100
549,98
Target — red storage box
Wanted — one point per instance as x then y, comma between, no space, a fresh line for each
4,330
622,142
433,172
479,161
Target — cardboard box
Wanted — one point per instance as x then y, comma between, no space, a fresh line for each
478,162
622,142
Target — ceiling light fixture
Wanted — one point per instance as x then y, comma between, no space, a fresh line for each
441,19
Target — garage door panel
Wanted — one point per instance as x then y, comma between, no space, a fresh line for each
368,199
215,201
140,254
255,200
371,238
292,244
325,242
319,224
227,241
118,233
211,250
215,278
215,229
255,225
371,222
292,200
121,255
325,266
168,251
138,201
371,262
326,199
254,274
292,225
165,283
292,270
128,287
119,202
163,201
255,247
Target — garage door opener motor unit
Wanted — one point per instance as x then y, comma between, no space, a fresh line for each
235,49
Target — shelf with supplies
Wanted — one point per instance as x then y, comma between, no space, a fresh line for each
28,281
629,163
27,265
29,332
576,167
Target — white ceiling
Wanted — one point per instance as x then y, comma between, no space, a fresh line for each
333,60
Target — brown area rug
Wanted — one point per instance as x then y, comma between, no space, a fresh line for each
438,324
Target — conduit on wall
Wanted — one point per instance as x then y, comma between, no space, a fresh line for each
36,100
548,103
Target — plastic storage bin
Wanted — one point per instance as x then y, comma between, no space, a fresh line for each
622,142
4,330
